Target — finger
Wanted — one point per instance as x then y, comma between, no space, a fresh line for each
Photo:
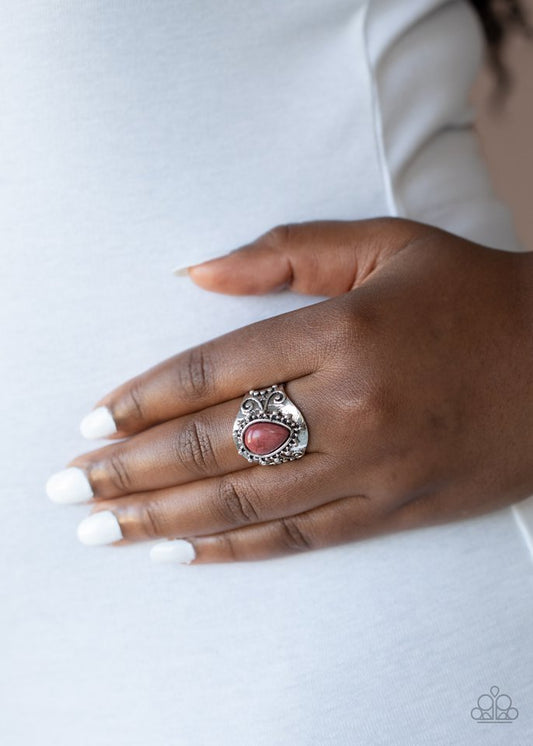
317,258
336,522
328,525
217,504
254,357
188,448
185,449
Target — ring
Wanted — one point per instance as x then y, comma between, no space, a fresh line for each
269,427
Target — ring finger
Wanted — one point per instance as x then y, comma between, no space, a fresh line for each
186,449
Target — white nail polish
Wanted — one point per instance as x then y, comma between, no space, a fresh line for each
69,486
98,424
181,272
99,528
178,550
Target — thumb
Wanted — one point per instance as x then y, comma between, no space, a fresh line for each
317,258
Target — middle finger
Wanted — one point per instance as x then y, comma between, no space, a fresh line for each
181,450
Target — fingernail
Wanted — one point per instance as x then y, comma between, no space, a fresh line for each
178,550
99,528
69,486
98,424
181,272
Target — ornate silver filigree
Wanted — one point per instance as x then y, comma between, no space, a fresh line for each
271,405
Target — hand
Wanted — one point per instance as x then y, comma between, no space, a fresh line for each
415,379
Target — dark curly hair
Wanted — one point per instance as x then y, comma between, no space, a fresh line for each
500,18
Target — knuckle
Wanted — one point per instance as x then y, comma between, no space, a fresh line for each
401,232
150,520
118,473
279,236
354,325
375,409
195,375
194,448
359,512
293,537
343,337
226,547
379,405
134,401
363,320
236,502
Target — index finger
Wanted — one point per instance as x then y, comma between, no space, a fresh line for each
253,357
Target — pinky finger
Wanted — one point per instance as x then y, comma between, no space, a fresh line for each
338,522
333,523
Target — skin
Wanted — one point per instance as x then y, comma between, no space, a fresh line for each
415,379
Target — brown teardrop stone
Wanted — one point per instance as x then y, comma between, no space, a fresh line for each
262,438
